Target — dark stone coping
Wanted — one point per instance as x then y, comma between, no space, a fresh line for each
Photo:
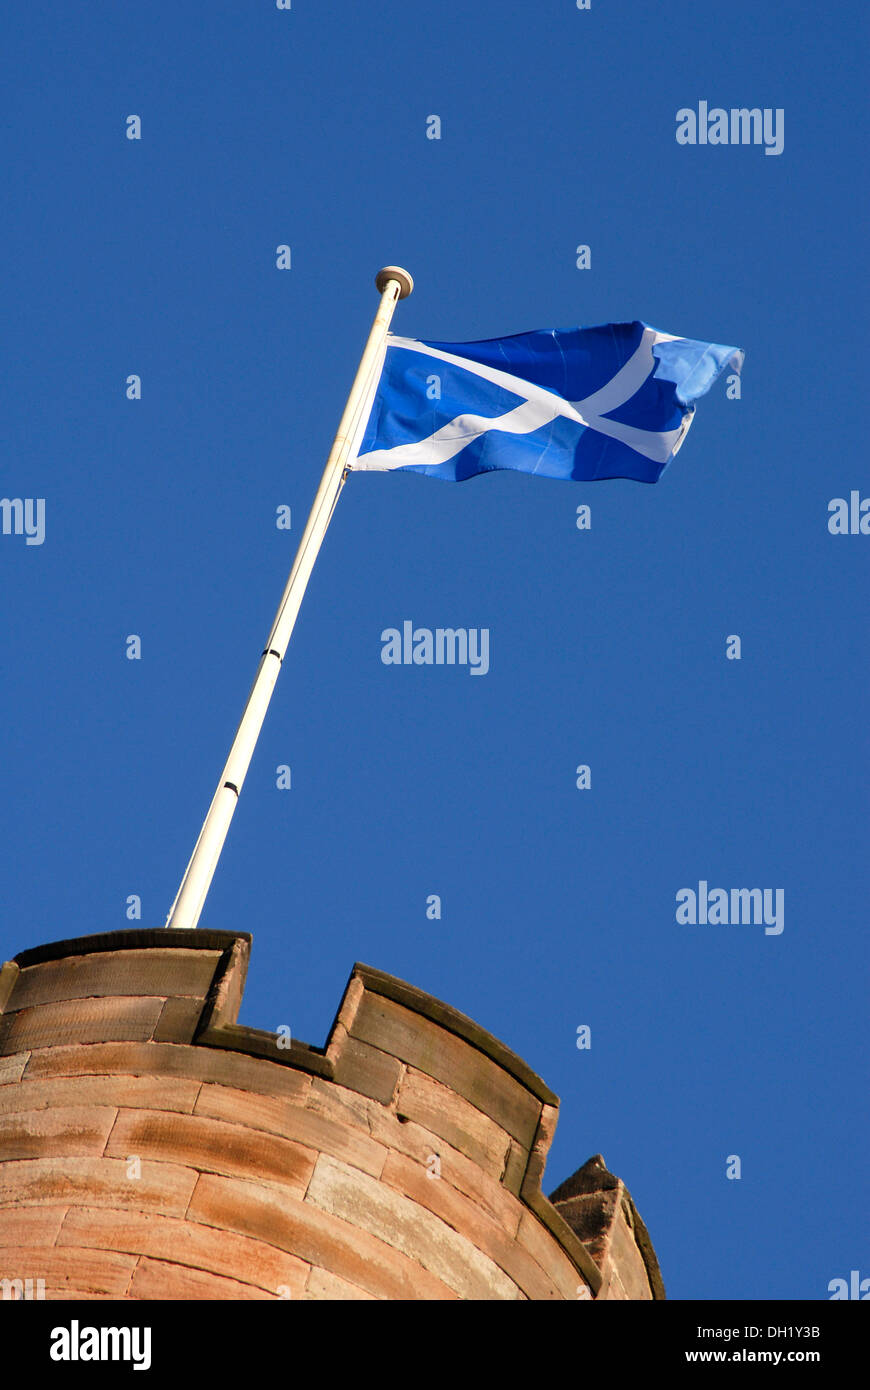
218,1027
129,940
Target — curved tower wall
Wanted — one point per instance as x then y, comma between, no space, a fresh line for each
153,1148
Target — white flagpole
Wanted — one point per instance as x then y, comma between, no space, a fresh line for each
394,284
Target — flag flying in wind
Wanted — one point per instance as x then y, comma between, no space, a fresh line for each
614,401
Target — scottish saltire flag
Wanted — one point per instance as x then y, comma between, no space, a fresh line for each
614,401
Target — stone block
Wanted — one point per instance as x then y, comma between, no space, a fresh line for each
12,1068
211,1146
188,1243
79,1021
439,1109
29,1226
165,1059
367,1070
163,1187
325,1286
408,1227
160,1279
63,1131
449,1059
315,1236
117,973
71,1274
293,1121
486,1235
141,1092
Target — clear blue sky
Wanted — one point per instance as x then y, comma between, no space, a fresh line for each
307,127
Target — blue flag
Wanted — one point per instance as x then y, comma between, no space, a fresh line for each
614,401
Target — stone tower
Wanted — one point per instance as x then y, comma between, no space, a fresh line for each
153,1148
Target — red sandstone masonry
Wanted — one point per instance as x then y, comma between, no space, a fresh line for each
448,1254
452,1117
535,1238
418,1143
306,1127
139,1092
464,1215
315,1236
267,1173
29,1226
79,1020
12,1068
162,1279
211,1146
186,1243
368,1070
176,973
322,1285
72,1273
450,1060
87,1182
63,1131
231,1069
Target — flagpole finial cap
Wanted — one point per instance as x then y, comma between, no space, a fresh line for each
395,272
